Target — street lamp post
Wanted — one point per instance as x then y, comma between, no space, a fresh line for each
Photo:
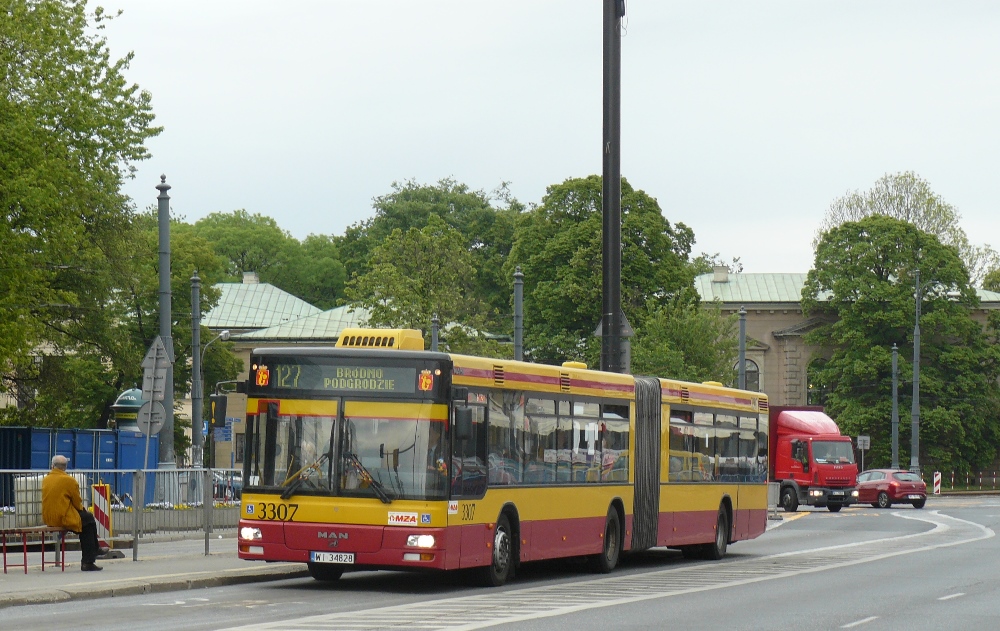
915,411
197,399
895,407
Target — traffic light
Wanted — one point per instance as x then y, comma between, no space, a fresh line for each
217,409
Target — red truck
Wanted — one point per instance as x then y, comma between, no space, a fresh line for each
810,459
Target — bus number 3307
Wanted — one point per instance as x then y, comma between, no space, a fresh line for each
273,512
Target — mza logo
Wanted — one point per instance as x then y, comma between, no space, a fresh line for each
402,519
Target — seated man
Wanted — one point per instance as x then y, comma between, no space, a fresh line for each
62,507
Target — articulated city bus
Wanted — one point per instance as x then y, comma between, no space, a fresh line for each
377,454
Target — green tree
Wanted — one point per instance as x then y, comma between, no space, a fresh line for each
688,341
316,274
415,274
865,270
907,197
310,270
559,248
71,129
486,223
250,242
95,352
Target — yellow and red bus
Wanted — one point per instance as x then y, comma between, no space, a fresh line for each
378,454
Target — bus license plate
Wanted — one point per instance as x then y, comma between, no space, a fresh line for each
836,492
331,557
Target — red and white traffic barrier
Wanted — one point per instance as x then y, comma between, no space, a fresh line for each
937,483
101,503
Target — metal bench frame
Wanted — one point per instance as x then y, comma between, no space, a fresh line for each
42,532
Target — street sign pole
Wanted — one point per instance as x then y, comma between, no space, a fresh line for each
864,443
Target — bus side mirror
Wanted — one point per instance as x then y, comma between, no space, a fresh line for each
463,423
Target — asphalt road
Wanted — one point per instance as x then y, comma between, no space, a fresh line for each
863,568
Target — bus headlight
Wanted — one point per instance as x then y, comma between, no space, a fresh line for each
816,493
250,534
854,493
420,541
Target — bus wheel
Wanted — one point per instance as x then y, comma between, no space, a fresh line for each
717,550
325,571
607,560
499,571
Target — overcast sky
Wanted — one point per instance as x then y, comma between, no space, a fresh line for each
745,120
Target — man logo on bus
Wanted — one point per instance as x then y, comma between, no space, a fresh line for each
426,380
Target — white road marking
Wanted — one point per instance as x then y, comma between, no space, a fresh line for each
466,613
952,596
859,622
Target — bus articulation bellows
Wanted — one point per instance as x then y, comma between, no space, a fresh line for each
377,454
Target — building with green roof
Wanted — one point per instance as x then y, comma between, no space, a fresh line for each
777,355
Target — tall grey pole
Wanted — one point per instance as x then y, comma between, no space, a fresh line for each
895,407
915,413
163,220
435,325
743,350
518,314
197,390
611,202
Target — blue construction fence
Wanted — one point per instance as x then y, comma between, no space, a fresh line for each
113,450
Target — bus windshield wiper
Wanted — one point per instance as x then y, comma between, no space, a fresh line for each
366,476
297,478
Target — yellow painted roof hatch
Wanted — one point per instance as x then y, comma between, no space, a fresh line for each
401,339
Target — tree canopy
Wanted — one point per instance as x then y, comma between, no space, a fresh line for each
907,197
558,246
485,222
70,129
866,272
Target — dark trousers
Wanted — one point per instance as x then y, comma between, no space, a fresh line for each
88,538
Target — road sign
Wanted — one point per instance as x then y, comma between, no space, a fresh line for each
864,442
151,417
937,483
154,371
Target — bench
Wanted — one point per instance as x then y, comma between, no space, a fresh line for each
30,532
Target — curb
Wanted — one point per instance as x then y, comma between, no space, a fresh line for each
171,584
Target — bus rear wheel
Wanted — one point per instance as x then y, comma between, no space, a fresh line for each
501,568
325,572
607,560
717,550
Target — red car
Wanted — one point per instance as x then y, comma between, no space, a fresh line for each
884,487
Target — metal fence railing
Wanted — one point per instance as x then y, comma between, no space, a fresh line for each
140,504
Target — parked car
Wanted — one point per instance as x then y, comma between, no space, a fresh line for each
884,487
227,485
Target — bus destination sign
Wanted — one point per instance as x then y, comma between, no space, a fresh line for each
322,377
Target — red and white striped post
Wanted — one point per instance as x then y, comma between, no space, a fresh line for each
937,483
102,512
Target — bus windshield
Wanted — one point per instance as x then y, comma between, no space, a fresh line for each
383,450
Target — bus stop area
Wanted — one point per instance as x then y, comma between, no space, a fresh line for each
178,533
167,564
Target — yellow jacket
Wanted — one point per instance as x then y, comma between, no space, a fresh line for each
61,501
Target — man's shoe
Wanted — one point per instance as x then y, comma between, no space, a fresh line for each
103,550
90,567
